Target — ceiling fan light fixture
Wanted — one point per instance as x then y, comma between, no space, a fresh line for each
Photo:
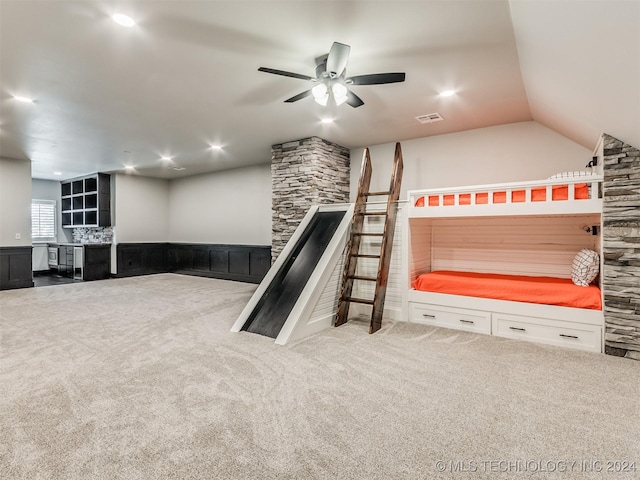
22,99
124,20
339,93
331,79
321,94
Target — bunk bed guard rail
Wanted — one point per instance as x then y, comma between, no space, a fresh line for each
559,195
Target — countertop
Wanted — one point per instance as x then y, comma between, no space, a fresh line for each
69,244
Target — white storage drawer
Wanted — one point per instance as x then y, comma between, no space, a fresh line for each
458,318
551,332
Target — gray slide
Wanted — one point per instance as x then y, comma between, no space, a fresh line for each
275,305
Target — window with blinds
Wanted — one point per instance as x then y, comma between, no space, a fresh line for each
43,220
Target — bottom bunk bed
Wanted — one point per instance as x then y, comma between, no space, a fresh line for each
527,235
547,310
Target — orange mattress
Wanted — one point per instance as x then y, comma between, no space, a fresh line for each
545,290
558,192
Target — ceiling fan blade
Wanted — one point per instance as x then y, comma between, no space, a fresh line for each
300,96
354,100
337,59
285,74
376,79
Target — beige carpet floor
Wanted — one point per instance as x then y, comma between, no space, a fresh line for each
140,378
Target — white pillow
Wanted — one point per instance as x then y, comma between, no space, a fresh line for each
585,267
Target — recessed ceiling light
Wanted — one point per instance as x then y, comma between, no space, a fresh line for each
57,173
129,168
20,98
327,120
448,93
216,147
166,158
123,20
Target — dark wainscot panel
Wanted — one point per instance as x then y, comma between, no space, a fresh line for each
244,263
15,267
141,258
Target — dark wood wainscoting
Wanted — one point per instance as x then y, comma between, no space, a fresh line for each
15,267
141,258
244,263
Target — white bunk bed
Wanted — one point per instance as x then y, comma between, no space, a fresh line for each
526,228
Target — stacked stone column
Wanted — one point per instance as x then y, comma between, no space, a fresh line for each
621,229
304,172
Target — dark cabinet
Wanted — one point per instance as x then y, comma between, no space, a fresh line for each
86,201
97,262
94,264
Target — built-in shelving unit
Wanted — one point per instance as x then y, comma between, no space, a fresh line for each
86,201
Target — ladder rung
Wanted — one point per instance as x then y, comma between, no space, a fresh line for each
369,234
377,194
359,277
359,300
362,255
373,213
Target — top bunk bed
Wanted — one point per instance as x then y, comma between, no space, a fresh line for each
570,193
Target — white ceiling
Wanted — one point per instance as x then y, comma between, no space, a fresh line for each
186,76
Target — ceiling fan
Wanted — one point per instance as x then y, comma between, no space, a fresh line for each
331,80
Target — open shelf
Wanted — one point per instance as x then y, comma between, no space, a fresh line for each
85,202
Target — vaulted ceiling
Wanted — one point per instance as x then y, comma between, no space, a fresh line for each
186,76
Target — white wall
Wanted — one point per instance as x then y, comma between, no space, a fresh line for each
228,207
15,202
504,153
48,190
141,209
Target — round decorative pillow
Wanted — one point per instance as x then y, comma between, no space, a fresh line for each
585,267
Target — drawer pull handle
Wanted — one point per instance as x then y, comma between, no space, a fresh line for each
466,321
518,329
428,316
569,336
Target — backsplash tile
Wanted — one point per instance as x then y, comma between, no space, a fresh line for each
93,235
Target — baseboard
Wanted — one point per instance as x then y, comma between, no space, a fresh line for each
16,285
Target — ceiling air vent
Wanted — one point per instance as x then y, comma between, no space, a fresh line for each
430,118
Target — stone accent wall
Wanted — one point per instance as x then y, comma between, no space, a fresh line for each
304,172
621,229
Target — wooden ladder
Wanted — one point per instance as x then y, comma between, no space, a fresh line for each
353,247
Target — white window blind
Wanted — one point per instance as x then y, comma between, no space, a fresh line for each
43,220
